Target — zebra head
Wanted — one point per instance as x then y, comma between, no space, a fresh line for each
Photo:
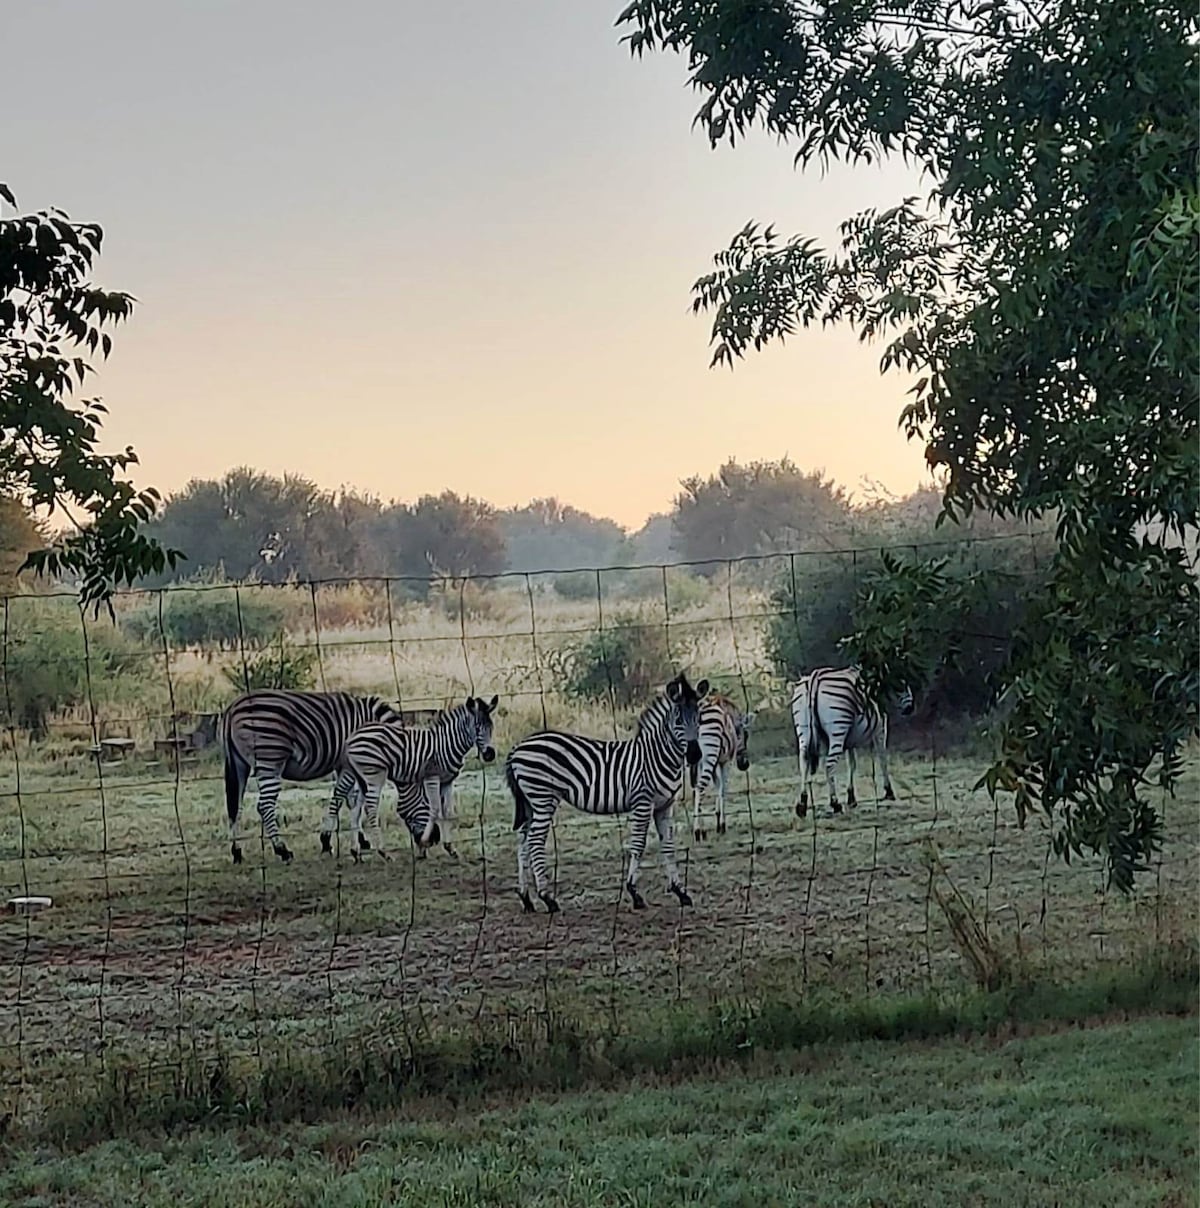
684,717
905,701
480,712
741,728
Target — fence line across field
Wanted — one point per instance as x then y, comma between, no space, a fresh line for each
156,953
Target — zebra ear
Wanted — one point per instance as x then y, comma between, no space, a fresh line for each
493,703
702,689
673,690
748,719
471,704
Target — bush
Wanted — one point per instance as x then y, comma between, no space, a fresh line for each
48,668
576,585
630,660
986,584
208,619
282,666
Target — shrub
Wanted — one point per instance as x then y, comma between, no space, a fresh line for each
48,668
281,666
576,585
630,659
208,619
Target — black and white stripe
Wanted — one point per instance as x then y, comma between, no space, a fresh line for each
831,709
637,776
431,756
724,730
287,735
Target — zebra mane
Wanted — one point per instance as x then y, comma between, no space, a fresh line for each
653,716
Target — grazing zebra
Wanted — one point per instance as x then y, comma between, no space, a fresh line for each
287,735
407,756
637,776
831,709
724,730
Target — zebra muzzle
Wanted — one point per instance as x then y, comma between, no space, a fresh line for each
488,754
743,762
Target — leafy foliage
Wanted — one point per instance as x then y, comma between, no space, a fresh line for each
49,665
1046,296
281,666
52,320
760,508
626,663
210,618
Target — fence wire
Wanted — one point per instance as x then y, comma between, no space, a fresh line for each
158,952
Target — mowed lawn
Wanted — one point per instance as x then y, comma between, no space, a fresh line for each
1091,1117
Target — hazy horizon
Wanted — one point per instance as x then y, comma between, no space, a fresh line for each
409,250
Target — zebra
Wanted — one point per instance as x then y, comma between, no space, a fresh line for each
277,735
637,776
408,756
724,730
830,708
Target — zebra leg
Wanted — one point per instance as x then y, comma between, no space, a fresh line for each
664,823
721,779
852,761
344,789
881,753
537,830
446,819
637,849
523,869
698,831
370,809
269,788
831,762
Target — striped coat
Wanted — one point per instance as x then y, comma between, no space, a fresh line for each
830,709
278,735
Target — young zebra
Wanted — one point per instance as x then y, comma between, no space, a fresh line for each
831,709
637,776
724,730
287,735
408,756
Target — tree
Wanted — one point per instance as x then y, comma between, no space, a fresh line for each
52,320
1046,295
761,508
449,535
546,534
20,535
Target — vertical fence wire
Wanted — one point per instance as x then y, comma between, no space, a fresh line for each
819,879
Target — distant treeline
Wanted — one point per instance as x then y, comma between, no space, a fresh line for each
251,525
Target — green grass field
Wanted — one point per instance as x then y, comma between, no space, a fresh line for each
1087,1118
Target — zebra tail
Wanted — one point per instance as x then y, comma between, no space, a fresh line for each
235,781
812,749
523,811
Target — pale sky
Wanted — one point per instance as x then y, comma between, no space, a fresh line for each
410,246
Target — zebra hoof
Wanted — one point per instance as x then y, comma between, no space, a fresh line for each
888,794
851,799
236,852
422,853
364,843
284,854
526,903
801,809
356,855
552,906
326,843
685,899
450,851
720,828
700,835
639,902
836,806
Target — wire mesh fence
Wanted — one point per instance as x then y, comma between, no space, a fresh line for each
157,951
